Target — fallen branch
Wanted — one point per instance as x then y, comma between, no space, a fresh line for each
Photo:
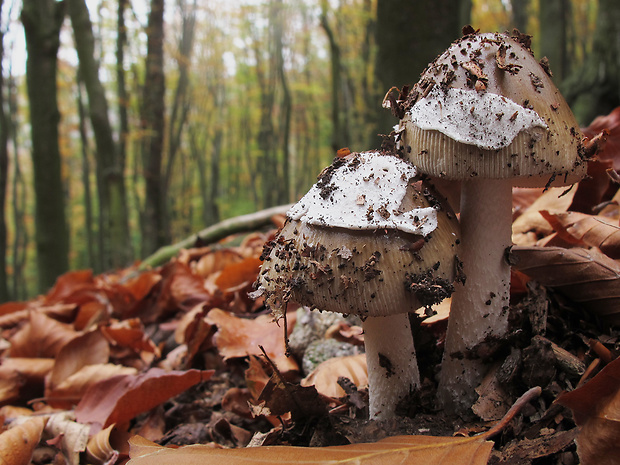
213,234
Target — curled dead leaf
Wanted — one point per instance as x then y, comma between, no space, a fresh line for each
596,407
325,376
18,443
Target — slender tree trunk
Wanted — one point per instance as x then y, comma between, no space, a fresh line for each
339,136
554,16
519,14
594,89
286,105
18,194
114,242
4,166
404,50
88,205
155,232
42,20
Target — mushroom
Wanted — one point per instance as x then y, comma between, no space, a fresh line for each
370,238
486,113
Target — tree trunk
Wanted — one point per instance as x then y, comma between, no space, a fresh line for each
42,20
286,105
519,14
18,194
88,204
554,16
4,166
115,250
594,89
405,49
155,232
340,137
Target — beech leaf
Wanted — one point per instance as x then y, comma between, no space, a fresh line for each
121,398
240,337
428,450
596,408
585,276
325,376
18,443
41,336
588,230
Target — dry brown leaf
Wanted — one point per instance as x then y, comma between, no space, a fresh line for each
217,261
428,450
69,284
40,337
530,226
130,333
10,383
69,391
18,443
240,337
587,277
62,311
99,450
238,275
325,376
72,437
596,407
87,349
588,230
121,398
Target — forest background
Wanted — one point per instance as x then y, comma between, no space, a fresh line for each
126,125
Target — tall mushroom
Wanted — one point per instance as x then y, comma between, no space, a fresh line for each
486,113
369,238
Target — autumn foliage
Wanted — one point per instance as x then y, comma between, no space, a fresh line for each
180,355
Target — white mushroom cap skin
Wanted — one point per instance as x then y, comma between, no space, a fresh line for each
393,250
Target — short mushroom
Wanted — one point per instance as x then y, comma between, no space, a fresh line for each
486,113
372,239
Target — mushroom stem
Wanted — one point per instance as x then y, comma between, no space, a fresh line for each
391,360
479,310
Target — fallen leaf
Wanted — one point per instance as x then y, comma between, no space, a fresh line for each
240,337
325,376
70,283
530,226
99,450
68,392
238,275
428,450
18,443
610,122
87,349
121,398
587,277
40,337
587,230
130,333
72,436
216,261
596,408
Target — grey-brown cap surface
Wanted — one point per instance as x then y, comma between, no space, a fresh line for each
393,252
486,108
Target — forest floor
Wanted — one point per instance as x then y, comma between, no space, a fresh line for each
179,355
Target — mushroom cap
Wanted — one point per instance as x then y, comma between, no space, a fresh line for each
486,108
371,271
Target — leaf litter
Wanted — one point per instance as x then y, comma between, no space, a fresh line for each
180,356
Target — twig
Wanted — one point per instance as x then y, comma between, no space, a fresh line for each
530,395
213,234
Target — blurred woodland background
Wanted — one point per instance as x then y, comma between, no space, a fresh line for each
126,125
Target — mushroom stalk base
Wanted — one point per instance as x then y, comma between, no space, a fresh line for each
479,310
392,365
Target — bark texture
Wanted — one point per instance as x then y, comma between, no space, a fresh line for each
42,20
